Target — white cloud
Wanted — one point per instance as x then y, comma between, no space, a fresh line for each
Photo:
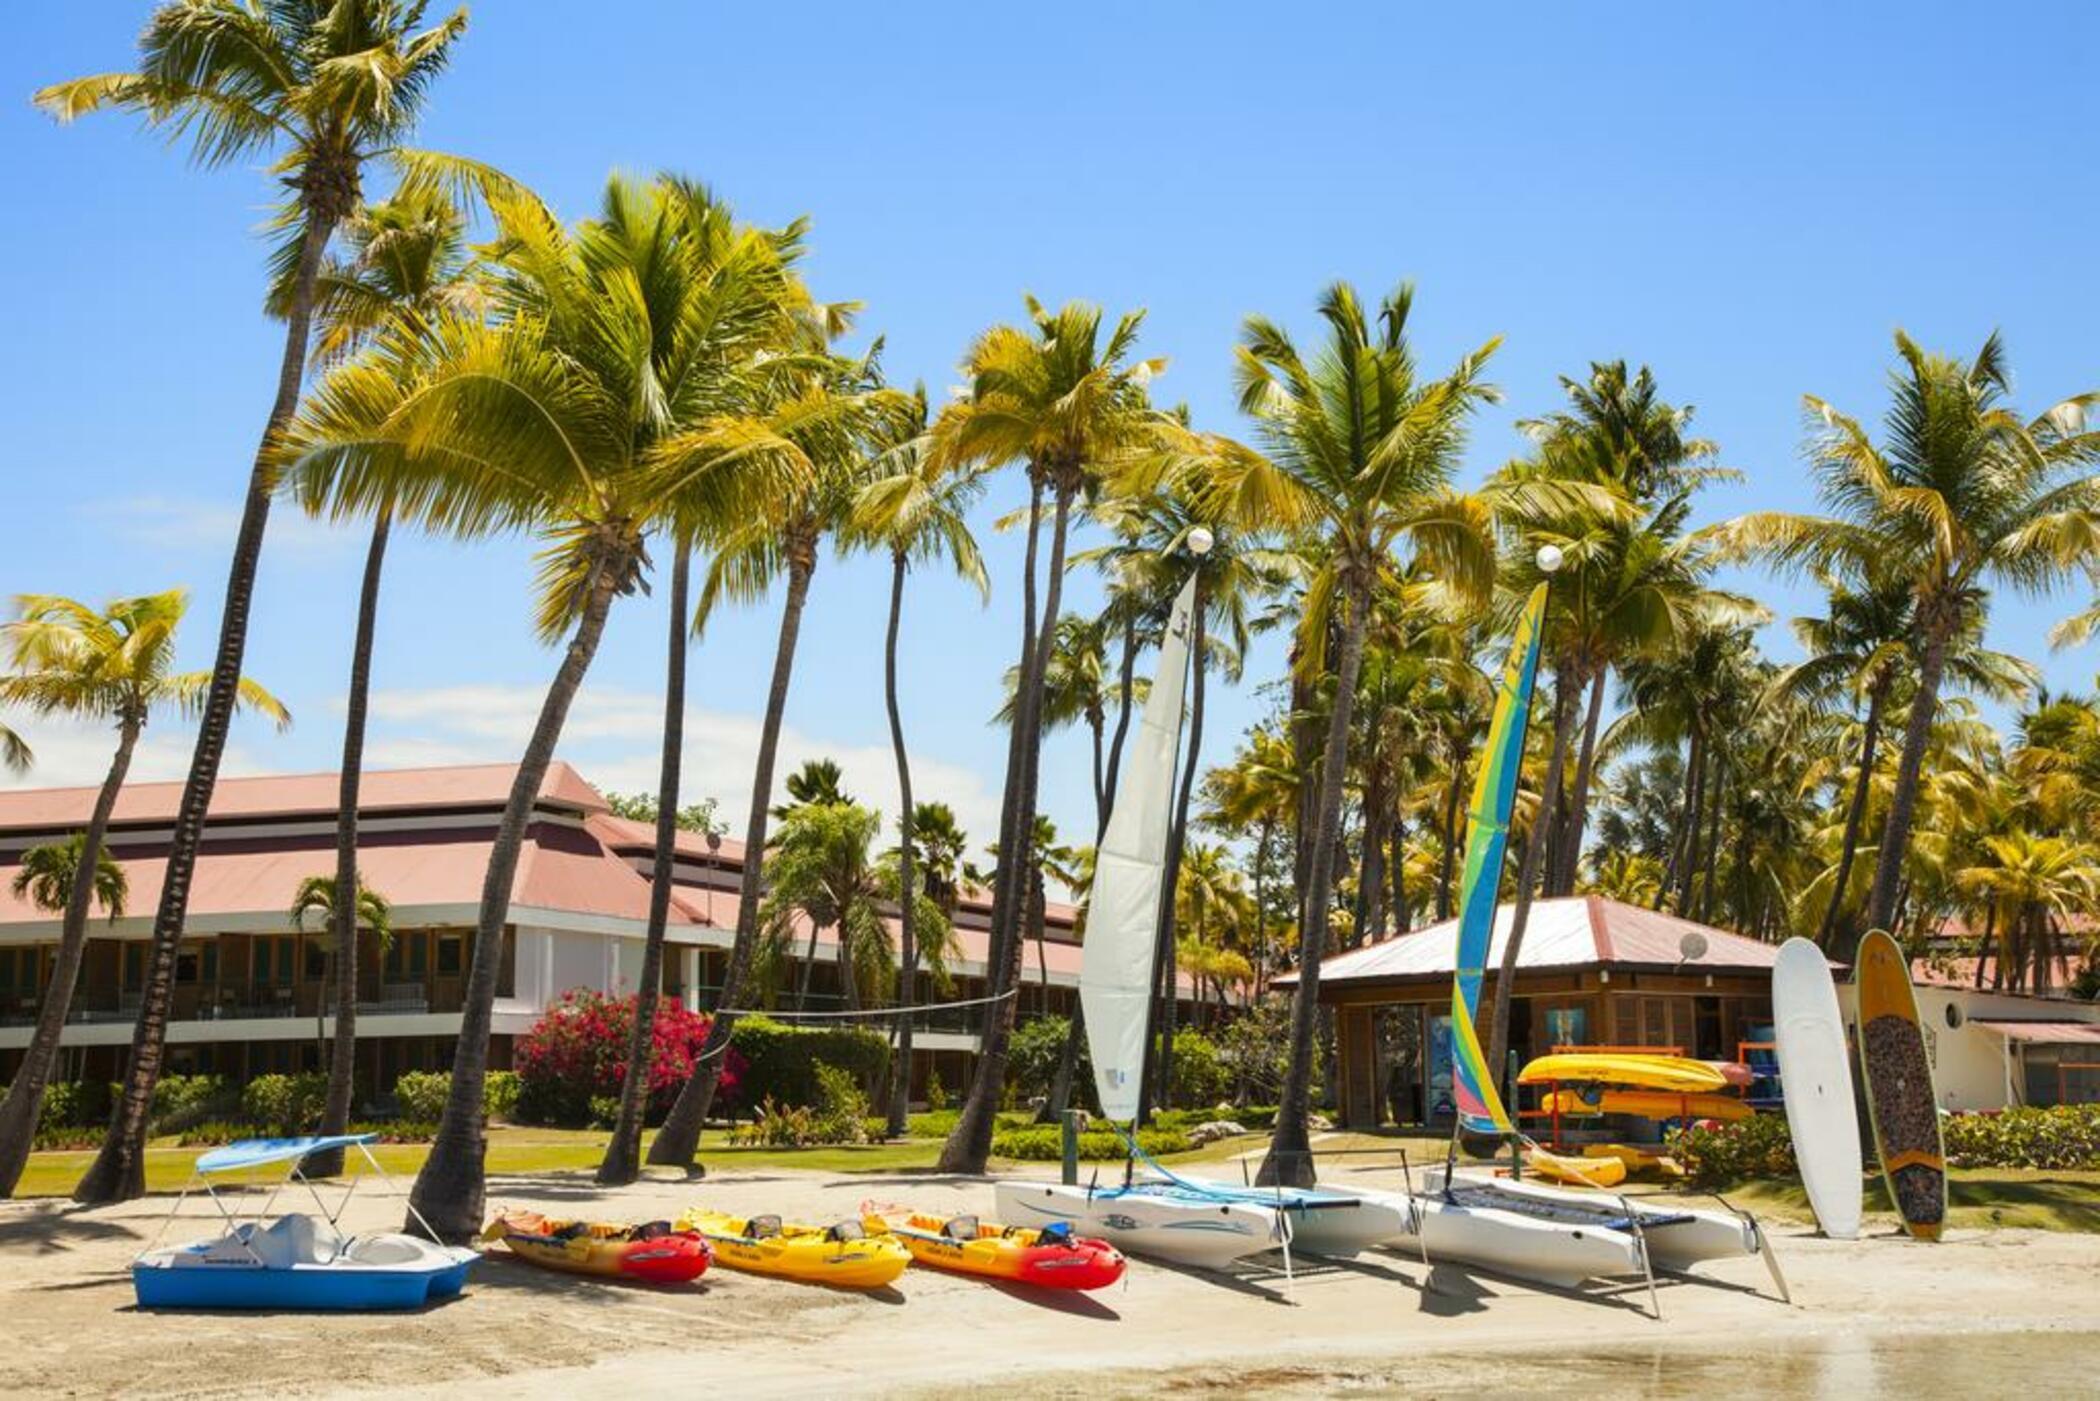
188,525
70,754
612,738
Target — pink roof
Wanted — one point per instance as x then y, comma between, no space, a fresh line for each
1580,931
1959,971
2087,1033
283,795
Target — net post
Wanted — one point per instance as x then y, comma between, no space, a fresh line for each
1069,1147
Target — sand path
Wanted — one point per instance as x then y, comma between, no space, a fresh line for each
71,1329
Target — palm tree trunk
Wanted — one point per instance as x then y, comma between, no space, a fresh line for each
970,1144
679,1138
1125,684
1447,860
1166,978
1903,803
1990,936
1855,813
1579,808
1713,842
809,964
1289,1159
1370,880
448,1191
1014,829
25,1095
342,1058
118,1172
907,857
1261,905
1527,877
622,1162
1396,864
1687,851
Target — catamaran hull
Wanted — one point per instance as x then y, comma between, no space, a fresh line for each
1678,1237
1179,1230
1332,1222
1521,1246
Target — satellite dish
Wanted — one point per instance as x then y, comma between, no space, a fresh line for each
1691,947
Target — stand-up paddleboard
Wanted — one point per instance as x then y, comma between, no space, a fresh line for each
1900,1096
1815,1076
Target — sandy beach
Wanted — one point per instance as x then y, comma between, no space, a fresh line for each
1872,1316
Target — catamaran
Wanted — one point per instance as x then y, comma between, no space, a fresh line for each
1528,1229
1183,1220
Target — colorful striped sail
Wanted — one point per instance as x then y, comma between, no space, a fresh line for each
1487,837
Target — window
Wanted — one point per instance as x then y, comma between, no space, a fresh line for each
197,962
408,957
316,957
450,956
134,966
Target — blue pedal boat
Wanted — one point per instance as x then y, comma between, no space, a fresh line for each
295,1260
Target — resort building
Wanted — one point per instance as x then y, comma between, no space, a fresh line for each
249,994
1595,972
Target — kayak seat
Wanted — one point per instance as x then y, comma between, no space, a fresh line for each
762,1227
1056,1233
652,1230
845,1231
960,1228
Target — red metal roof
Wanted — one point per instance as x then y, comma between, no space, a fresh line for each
306,794
1959,971
2087,1033
1578,931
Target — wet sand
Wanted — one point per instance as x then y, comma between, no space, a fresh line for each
1870,1317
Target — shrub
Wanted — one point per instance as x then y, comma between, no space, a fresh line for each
934,1123
936,1092
1200,1073
781,1062
2066,1136
213,1133
1255,1051
1755,1147
182,1100
605,1111
499,1094
1248,1117
1044,1143
284,1104
838,1116
74,1104
577,1051
420,1095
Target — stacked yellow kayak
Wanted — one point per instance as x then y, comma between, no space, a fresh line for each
845,1255
1672,1073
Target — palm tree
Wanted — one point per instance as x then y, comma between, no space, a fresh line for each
917,508
567,415
1960,495
406,267
819,414
1059,397
622,1162
15,754
370,910
1255,795
114,665
1361,455
1860,650
819,872
325,89
817,781
2033,884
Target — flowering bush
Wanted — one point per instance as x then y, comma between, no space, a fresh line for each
1758,1146
2066,1136
577,1052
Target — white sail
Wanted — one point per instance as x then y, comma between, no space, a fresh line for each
1122,924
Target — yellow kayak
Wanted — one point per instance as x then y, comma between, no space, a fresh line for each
1637,1160
844,1256
1647,1104
1638,1072
1576,1172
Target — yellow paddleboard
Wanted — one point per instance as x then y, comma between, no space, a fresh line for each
1637,1072
1901,1099
1647,1104
1576,1172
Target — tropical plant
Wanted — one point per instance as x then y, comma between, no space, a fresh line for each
115,666
316,898
1361,453
1961,494
818,415
1063,399
323,89
570,414
45,877
917,508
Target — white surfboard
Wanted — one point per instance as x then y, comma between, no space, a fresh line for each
1815,1076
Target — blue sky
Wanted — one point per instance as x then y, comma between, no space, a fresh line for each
1747,198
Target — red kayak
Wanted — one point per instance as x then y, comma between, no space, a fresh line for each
652,1253
1052,1257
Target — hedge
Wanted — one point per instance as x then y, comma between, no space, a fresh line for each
1758,1146
2066,1136
1044,1143
781,1062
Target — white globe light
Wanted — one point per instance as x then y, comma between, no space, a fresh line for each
1550,558
1200,541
